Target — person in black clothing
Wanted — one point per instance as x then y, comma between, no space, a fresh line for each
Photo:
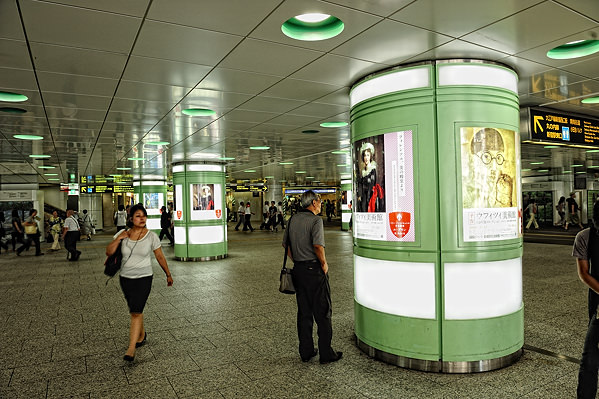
304,240
165,225
2,232
272,216
33,236
573,217
17,230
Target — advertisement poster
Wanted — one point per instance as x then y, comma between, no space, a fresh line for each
205,201
490,198
152,200
384,182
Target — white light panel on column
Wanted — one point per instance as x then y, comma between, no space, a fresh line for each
478,75
206,234
180,237
390,83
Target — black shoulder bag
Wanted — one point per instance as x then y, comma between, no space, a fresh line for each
113,262
286,279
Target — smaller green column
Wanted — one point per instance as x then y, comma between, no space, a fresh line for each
346,204
151,192
200,211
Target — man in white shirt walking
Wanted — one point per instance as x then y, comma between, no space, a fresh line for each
70,235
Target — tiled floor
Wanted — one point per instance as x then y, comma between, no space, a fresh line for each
224,331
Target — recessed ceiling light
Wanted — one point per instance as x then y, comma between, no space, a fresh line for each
300,172
54,179
576,166
333,124
310,131
269,177
27,137
537,163
198,112
226,158
342,164
543,170
309,177
12,110
576,49
47,167
136,159
312,27
592,150
567,171
285,163
339,152
249,170
50,174
551,146
158,143
123,168
578,173
263,147
12,97
38,156
525,170
591,100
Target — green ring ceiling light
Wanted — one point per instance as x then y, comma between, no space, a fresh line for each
226,158
591,100
12,110
38,156
54,179
50,174
136,159
312,27
261,147
579,48
12,97
249,170
47,167
198,112
27,137
285,163
333,124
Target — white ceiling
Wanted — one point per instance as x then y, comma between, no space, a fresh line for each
105,77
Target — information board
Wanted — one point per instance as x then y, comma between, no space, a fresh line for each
106,188
564,129
103,179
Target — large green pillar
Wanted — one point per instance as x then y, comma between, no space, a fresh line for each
199,214
346,204
151,192
437,216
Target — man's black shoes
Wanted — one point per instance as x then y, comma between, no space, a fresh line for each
307,359
338,356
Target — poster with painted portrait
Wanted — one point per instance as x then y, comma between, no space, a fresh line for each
490,175
152,202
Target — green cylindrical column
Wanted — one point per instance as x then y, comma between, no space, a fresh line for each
346,204
199,214
437,225
151,192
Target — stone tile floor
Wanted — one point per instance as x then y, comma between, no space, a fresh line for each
224,331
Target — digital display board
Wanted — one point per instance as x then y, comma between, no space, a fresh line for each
106,188
564,129
247,187
103,179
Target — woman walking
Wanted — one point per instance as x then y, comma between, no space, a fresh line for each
137,246
33,234
55,229
17,229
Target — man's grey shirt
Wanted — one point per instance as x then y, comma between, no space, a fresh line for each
581,244
304,230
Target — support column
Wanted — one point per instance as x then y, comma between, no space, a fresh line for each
199,215
346,204
151,192
437,216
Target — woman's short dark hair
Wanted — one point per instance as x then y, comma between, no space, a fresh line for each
15,213
121,207
137,207
32,211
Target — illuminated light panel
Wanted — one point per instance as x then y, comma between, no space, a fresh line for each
198,112
333,124
205,168
567,171
526,170
497,287
54,179
537,163
342,164
205,234
397,288
390,83
226,158
340,152
269,177
478,75
312,27
579,173
591,100
158,143
12,97
27,137
39,156
47,167
261,147
300,172
543,170
123,168
550,146
592,151
249,170
575,49
309,177
50,174
575,166
285,163
180,235
136,159
13,110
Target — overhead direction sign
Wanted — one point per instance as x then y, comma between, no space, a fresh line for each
564,129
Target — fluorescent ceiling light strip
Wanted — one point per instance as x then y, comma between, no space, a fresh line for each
478,75
482,290
397,288
390,83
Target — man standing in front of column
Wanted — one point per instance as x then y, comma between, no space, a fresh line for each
70,234
304,240
586,252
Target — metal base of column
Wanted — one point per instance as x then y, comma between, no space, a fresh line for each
441,366
200,259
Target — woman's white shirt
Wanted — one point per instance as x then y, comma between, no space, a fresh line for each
137,255
121,218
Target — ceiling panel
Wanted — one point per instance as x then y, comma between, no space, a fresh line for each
151,92
78,27
172,73
458,49
336,70
14,54
237,81
390,42
76,84
295,89
184,44
280,105
10,28
516,34
17,79
135,8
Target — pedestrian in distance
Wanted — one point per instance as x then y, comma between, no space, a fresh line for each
17,233
137,246
240,215
573,217
55,229
561,211
71,232
120,218
247,218
3,242
532,209
304,240
165,225
33,234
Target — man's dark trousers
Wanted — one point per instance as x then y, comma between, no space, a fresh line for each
70,243
313,295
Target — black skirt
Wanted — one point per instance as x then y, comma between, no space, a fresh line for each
136,292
